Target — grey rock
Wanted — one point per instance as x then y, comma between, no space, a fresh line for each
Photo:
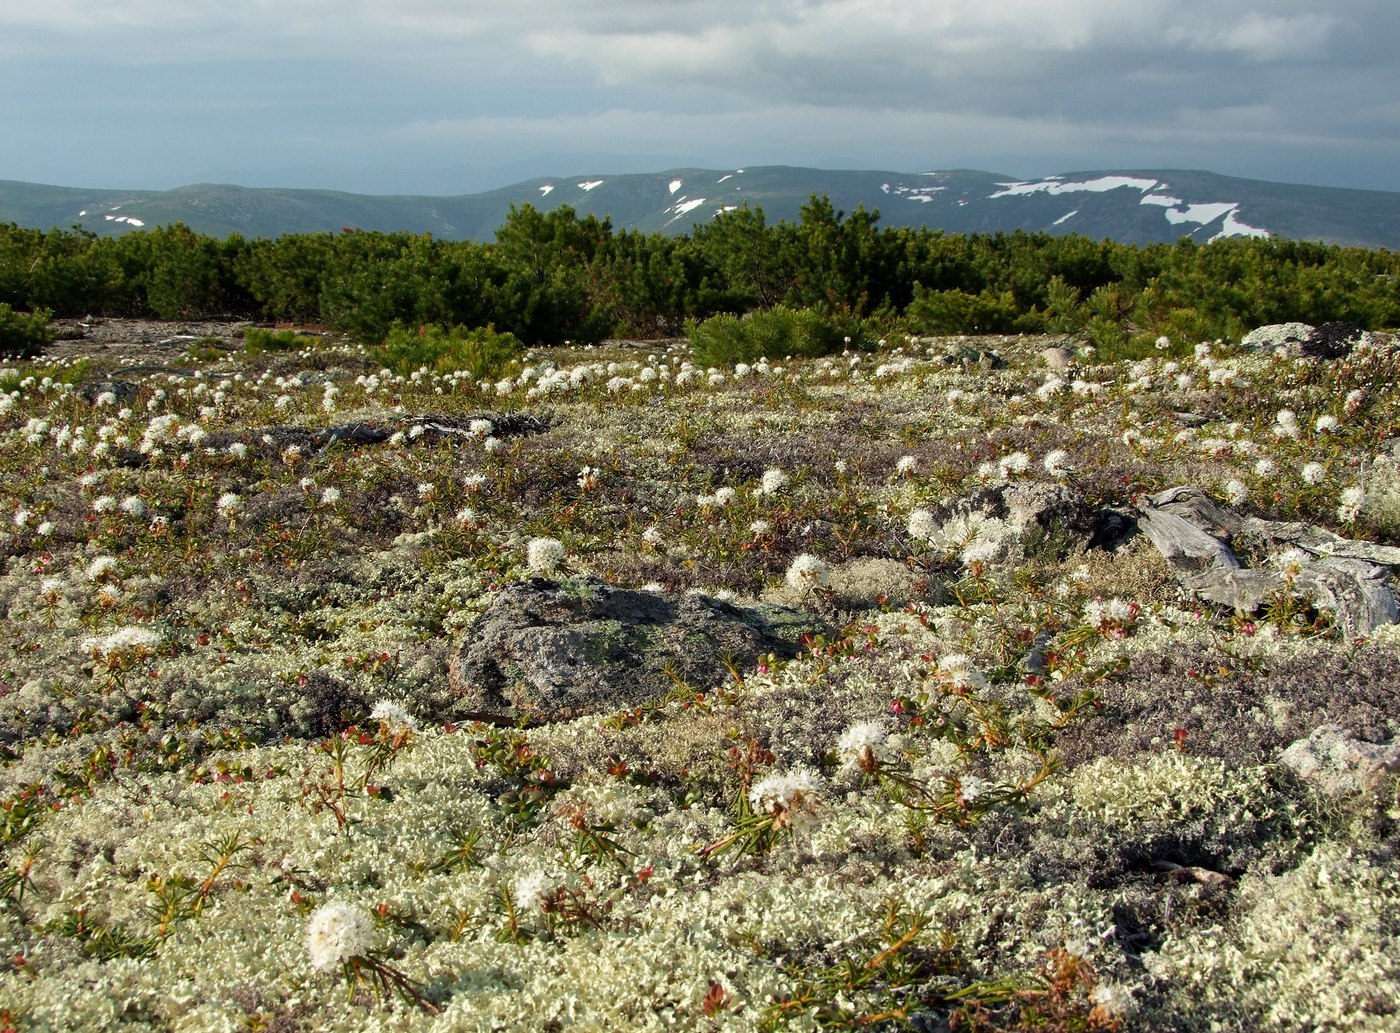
1353,592
1277,335
1037,657
1339,764
555,650
1043,508
426,429
968,356
123,390
1334,340
1320,542
1058,359
1184,544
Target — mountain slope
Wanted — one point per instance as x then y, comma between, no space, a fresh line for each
1134,206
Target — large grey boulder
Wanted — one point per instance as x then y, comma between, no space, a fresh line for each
555,650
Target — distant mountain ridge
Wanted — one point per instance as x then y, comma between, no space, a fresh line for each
1131,206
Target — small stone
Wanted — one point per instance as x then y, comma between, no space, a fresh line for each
1339,764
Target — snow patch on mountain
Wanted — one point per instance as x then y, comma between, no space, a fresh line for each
674,185
1234,228
1065,218
588,185
1200,213
1176,210
923,194
1054,186
682,206
544,190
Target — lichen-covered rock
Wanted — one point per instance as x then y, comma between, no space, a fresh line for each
553,650
1277,335
122,391
967,355
1338,763
1040,509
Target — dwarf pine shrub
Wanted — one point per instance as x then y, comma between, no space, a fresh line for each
23,336
481,352
257,341
958,312
776,332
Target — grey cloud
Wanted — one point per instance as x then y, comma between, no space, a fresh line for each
1222,84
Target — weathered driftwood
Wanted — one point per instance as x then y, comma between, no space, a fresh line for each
1185,545
1341,577
1323,543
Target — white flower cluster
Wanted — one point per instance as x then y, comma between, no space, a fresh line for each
544,555
977,538
131,639
1350,503
1290,561
955,671
773,481
101,567
807,573
1111,614
1015,464
922,526
394,717
1313,473
337,933
532,890
721,498
790,798
864,746
1057,464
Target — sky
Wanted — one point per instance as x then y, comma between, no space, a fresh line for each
458,96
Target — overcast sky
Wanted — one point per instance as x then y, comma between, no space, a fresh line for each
455,96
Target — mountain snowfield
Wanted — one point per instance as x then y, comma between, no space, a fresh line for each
1132,206
1177,211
